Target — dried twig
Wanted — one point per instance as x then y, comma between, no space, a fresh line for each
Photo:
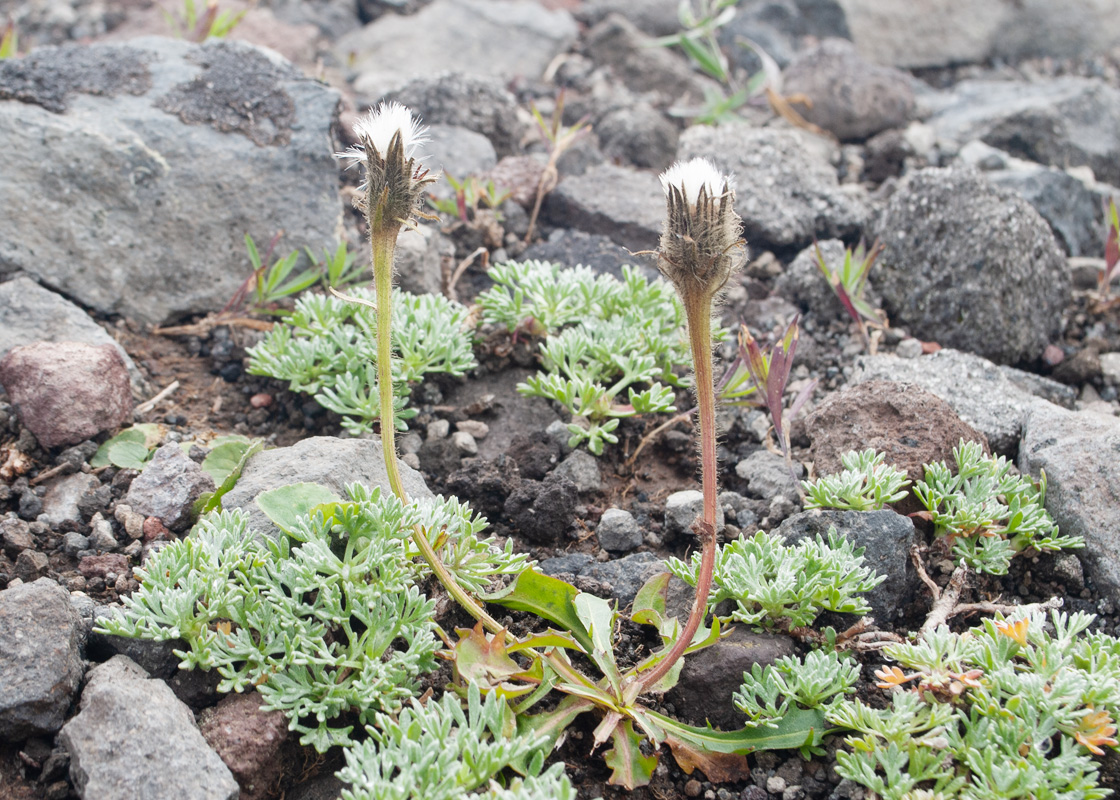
916,557
985,607
148,405
462,267
944,606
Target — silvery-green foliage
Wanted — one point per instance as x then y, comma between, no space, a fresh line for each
439,751
328,620
613,348
990,512
865,484
1012,708
327,348
819,680
777,585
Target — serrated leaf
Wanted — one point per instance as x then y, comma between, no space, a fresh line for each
287,504
629,767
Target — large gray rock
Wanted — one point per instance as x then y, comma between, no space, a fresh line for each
971,266
1063,122
168,487
781,28
885,537
321,459
458,152
418,260
622,203
992,399
40,662
938,33
1073,208
1080,453
149,159
851,97
618,531
67,392
29,313
786,191
134,740
451,34
60,503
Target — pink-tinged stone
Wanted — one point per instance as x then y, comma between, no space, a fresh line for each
248,740
67,392
102,565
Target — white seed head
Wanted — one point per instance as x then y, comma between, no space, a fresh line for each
377,128
689,177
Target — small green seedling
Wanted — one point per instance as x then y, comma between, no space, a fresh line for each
268,283
132,448
9,41
1111,251
211,23
557,138
469,193
850,285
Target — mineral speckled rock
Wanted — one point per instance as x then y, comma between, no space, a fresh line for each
40,662
621,203
67,392
970,266
149,159
249,740
168,487
618,531
331,462
1079,453
134,740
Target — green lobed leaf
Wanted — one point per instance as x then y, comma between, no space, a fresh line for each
287,504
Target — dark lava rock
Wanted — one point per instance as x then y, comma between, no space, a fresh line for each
485,483
536,454
168,487
971,266
543,511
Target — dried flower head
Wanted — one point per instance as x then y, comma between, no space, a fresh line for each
394,180
700,243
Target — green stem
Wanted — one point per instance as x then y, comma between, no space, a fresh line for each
698,309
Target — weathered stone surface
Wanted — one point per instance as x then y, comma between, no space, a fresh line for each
624,204
451,34
168,487
625,576
637,134
543,511
29,313
582,469
781,28
151,153
466,100
944,32
248,739
40,661
60,503
910,425
1080,453
134,740
767,475
786,191
802,282
618,531
655,17
1063,122
418,259
885,537
320,459
971,266
711,676
641,65
991,399
681,510
851,97
458,152
67,392
595,251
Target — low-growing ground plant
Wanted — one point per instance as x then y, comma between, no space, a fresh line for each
849,283
613,348
865,484
327,348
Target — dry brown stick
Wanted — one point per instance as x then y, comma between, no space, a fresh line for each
944,606
459,270
986,607
916,557
148,405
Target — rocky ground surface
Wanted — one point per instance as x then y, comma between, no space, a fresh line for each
134,166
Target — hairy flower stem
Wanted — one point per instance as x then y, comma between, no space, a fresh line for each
698,311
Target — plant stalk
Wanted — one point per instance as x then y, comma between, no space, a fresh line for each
698,310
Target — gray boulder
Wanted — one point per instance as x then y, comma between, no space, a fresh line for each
992,399
321,459
971,266
884,535
168,487
1063,122
1078,452
625,575
803,283
786,191
29,313
449,34
134,740
851,97
149,159
621,203
40,660
458,152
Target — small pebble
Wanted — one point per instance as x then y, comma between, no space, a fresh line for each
909,348
438,429
692,788
133,523
775,784
465,443
261,400
412,460
478,430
